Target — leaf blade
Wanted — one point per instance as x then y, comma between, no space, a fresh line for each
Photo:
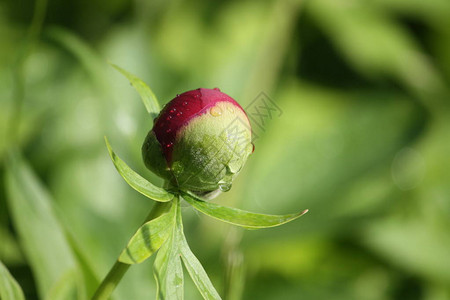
195,268
9,288
147,96
148,238
136,181
167,269
239,217
34,218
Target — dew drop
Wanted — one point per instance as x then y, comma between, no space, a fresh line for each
178,95
173,110
169,145
224,186
179,113
185,103
232,168
215,111
168,118
168,130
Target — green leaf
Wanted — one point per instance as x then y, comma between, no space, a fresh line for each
239,217
42,238
9,288
194,267
167,268
149,238
148,97
136,181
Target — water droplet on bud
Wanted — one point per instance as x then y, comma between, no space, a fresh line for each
215,111
224,186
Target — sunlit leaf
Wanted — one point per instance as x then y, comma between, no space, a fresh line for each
41,236
237,216
136,181
149,238
9,288
148,97
167,268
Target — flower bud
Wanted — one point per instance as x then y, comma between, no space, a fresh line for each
199,142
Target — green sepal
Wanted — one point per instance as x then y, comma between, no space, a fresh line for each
239,217
147,96
136,181
195,269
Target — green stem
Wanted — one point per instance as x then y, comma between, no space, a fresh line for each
119,269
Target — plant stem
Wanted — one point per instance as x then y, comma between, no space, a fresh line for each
119,269
111,281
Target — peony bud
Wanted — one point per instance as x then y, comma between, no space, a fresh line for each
199,142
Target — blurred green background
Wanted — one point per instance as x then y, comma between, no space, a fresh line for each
363,141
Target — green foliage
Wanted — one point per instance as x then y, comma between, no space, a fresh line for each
136,181
239,217
149,238
362,142
9,288
168,270
42,236
195,269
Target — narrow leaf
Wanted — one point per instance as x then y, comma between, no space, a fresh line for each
194,267
237,216
136,181
148,97
9,288
149,238
43,241
167,268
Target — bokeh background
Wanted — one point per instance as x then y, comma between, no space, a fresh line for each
363,141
